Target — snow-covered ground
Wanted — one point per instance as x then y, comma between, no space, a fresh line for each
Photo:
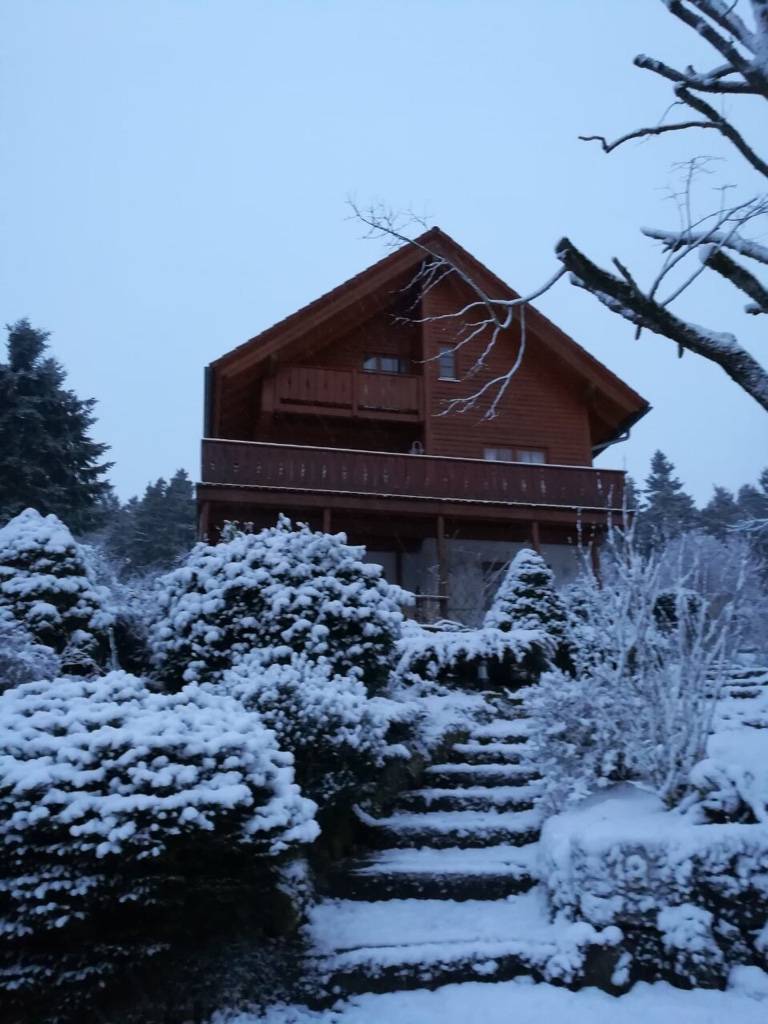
522,1002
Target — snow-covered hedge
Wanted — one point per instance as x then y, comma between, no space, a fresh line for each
283,586
45,584
327,721
691,899
103,771
472,656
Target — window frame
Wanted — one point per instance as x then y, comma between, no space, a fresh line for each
447,352
403,364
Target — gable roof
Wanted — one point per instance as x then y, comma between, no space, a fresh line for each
371,289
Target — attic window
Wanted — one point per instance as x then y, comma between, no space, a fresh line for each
385,364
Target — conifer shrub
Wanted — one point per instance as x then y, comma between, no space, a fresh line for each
45,584
335,732
285,586
127,817
527,599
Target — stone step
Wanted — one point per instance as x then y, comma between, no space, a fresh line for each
461,775
487,753
405,943
489,873
502,730
477,798
438,829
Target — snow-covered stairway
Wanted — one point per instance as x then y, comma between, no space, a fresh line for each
448,895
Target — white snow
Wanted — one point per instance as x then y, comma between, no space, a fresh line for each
512,860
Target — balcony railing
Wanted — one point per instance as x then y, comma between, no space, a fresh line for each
386,474
344,392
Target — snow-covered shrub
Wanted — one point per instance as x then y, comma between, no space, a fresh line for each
690,899
527,599
114,803
45,584
22,658
283,586
472,657
335,732
643,700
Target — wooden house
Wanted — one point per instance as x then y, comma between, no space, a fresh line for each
336,417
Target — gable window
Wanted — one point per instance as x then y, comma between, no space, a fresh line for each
386,364
446,363
531,455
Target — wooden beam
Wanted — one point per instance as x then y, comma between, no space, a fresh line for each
442,566
535,537
326,520
203,519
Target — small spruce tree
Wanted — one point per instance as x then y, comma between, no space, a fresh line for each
48,460
155,531
46,586
720,513
527,599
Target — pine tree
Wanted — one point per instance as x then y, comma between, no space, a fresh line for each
668,510
48,460
153,532
527,599
720,513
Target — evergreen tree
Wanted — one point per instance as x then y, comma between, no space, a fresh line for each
48,460
720,513
153,532
45,584
527,599
668,510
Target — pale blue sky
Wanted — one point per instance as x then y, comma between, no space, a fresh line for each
174,174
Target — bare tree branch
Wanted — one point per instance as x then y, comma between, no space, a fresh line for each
629,302
724,127
640,133
710,81
674,239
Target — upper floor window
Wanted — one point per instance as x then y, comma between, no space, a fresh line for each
446,363
534,455
386,364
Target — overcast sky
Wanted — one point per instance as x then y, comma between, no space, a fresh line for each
174,173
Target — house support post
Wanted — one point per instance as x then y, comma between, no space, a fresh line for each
594,551
535,537
326,520
442,568
203,520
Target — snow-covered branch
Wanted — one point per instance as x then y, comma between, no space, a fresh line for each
626,298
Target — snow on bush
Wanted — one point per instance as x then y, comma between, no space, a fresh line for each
283,586
646,685
527,599
472,656
96,774
336,733
45,584
690,898
22,658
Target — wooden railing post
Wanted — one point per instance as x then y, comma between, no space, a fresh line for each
442,567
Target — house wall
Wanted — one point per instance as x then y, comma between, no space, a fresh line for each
544,407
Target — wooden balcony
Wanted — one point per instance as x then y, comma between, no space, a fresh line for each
336,477
320,391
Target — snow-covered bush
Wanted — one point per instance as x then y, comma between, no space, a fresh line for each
283,586
45,584
22,658
643,699
113,798
102,770
691,899
527,599
472,657
335,732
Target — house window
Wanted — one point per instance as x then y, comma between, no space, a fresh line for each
386,364
531,455
446,363
499,455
